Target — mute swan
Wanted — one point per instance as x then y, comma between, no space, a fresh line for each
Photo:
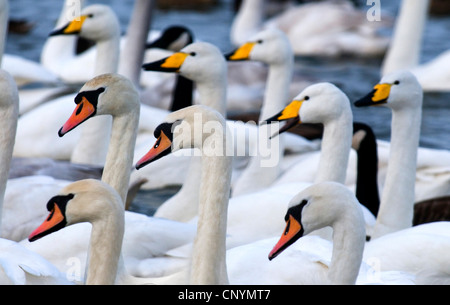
272,48
96,202
313,260
402,93
78,203
115,95
343,30
208,264
323,103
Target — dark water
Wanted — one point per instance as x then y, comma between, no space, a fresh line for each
355,77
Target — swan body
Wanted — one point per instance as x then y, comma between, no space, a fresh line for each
344,29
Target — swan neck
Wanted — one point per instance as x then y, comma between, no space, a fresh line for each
247,21
335,150
397,200
276,95
213,94
133,54
107,59
119,160
405,48
105,248
208,264
348,247
8,124
4,17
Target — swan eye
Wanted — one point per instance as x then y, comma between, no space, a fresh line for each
397,82
193,53
157,143
306,98
90,15
259,41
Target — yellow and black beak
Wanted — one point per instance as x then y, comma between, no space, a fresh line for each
86,108
292,233
378,96
172,63
241,53
56,220
290,114
162,147
73,27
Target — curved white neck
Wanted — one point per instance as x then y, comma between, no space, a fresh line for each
105,248
8,126
276,97
348,247
119,160
208,265
4,17
404,51
92,146
132,55
397,200
336,145
213,93
247,21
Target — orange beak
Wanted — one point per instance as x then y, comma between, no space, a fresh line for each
82,112
292,232
54,222
161,148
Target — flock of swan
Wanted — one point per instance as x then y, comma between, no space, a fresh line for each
65,220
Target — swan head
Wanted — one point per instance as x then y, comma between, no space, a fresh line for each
318,103
190,127
318,206
398,90
174,38
96,22
201,62
81,201
270,46
106,94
